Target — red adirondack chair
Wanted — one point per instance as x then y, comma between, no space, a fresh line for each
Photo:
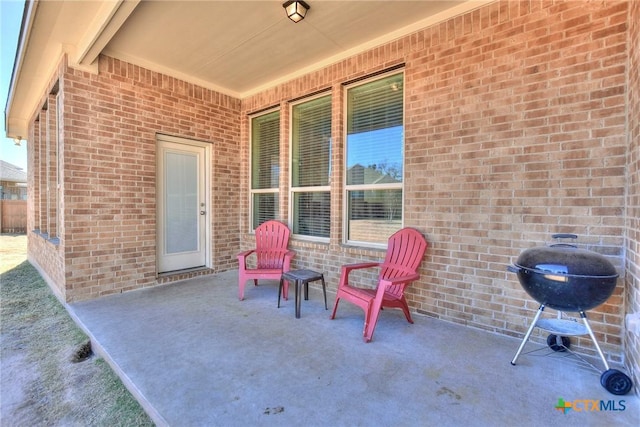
272,258
400,267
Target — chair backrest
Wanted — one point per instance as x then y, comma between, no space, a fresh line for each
404,253
272,239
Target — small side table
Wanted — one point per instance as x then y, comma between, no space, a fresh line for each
302,277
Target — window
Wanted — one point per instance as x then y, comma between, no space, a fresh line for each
374,159
311,167
46,142
265,167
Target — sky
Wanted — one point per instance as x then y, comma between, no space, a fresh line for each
10,19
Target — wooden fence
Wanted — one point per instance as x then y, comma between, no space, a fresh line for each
13,216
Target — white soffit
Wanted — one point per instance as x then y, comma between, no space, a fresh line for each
242,47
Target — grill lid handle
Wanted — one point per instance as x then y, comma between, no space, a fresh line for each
564,236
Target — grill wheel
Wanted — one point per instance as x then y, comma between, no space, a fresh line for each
616,382
558,343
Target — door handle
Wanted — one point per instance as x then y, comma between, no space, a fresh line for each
202,212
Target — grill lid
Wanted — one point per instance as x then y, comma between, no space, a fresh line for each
566,260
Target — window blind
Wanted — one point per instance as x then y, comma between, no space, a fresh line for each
311,150
265,167
265,151
311,167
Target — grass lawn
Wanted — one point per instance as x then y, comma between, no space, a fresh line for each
42,381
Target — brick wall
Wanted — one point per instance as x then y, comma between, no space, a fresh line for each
632,342
517,115
110,124
515,130
114,203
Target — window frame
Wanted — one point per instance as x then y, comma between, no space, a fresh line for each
293,190
271,190
347,188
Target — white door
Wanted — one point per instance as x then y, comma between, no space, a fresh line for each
182,204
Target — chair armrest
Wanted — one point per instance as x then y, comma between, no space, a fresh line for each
242,258
387,285
348,267
399,280
245,254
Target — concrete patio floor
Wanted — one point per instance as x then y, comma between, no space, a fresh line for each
194,355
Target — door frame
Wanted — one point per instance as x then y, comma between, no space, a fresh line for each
207,195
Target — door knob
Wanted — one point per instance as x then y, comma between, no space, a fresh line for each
202,212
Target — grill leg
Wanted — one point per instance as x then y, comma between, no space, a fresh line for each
593,338
528,334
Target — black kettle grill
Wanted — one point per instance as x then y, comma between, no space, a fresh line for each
568,279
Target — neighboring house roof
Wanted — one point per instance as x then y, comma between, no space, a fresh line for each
358,174
237,48
12,173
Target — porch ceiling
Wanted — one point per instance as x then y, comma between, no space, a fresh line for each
234,47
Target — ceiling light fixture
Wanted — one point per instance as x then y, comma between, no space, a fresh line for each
296,10
17,141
